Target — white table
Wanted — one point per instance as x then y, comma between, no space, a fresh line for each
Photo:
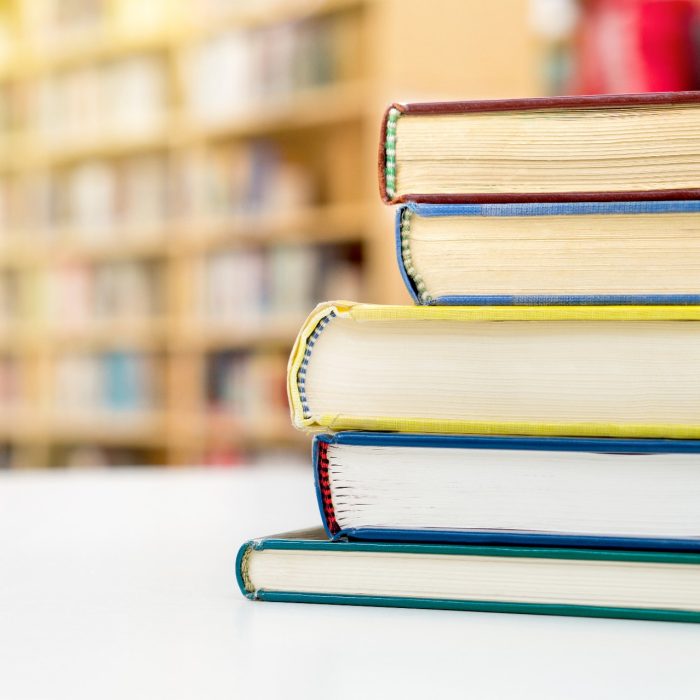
120,584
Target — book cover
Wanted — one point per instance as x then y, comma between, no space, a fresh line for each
537,106
301,570
367,323
561,247
608,446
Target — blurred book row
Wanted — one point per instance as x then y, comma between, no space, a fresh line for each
98,200
239,288
152,92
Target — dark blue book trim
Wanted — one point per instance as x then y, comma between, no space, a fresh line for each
512,442
690,206
294,541
520,539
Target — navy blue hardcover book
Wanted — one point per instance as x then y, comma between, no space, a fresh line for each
551,252
510,490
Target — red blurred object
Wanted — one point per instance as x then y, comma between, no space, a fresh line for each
637,46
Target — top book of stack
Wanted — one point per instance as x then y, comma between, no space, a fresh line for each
591,148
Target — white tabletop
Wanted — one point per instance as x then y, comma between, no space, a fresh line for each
120,584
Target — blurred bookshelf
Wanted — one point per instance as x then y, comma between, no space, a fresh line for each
180,183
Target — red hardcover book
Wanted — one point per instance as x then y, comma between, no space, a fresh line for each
548,149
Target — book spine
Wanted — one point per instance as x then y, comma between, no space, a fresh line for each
242,578
324,495
299,359
405,259
387,130
387,149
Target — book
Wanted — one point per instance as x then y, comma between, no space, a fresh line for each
551,253
266,64
246,179
304,567
606,371
245,287
588,148
124,99
541,491
249,387
654,48
78,294
107,385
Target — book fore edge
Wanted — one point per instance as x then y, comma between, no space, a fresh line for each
390,152
308,350
407,258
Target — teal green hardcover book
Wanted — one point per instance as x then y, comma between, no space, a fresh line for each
305,567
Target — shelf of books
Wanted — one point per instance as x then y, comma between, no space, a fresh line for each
169,212
180,183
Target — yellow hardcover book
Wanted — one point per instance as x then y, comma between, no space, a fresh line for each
618,371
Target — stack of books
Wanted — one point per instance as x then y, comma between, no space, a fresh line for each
527,437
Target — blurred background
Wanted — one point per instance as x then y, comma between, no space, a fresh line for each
181,181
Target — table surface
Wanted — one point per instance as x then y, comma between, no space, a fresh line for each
120,584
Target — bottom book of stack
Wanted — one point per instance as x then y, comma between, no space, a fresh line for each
305,567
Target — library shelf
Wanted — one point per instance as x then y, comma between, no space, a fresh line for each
304,117
328,223
109,428
134,334
338,222
273,13
118,428
275,333
310,108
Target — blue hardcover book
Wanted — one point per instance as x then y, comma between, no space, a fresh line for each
304,567
123,381
509,490
551,253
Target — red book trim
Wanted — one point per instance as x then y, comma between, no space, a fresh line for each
565,102
488,198
324,486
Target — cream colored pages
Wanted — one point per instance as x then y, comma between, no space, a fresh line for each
575,150
503,579
634,372
541,255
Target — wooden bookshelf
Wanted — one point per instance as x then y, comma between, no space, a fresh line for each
311,131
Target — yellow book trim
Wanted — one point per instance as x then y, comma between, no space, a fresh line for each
376,312
430,425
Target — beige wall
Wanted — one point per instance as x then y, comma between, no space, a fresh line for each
442,50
